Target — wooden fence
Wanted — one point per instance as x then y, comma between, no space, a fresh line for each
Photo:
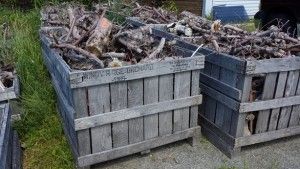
114,112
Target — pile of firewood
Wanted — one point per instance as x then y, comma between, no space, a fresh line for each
88,40
152,15
272,43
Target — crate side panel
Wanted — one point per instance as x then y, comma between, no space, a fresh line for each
118,94
166,88
151,96
182,85
99,102
290,90
279,93
268,93
135,98
195,90
295,114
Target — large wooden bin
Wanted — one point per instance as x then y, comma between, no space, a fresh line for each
226,84
10,148
114,112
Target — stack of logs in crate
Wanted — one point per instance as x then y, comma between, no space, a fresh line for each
228,110
113,112
10,148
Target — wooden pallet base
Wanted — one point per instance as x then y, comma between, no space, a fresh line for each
231,147
191,134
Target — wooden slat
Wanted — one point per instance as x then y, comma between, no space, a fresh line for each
195,91
99,103
181,89
273,65
269,104
126,73
221,86
135,99
135,112
238,120
212,103
268,136
279,93
227,101
295,114
268,93
290,90
151,96
166,88
118,96
137,147
16,152
81,109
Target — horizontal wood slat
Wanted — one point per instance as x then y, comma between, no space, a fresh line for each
137,147
268,136
111,75
269,104
272,65
139,111
220,86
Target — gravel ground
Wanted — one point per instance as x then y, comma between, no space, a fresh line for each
279,154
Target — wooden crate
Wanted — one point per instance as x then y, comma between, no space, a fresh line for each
226,82
115,112
11,92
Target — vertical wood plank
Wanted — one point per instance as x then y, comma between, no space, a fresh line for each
205,107
118,93
151,96
295,114
211,103
81,110
195,90
230,78
99,102
237,119
166,83
290,90
278,94
181,90
135,98
268,93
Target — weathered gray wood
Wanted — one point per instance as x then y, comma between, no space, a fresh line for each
118,94
181,89
217,130
273,65
228,62
135,98
5,135
11,92
135,112
268,136
211,103
278,94
166,88
269,104
137,147
227,101
238,120
290,90
80,107
16,152
195,91
151,96
126,73
295,114
221,86
268,93
99,103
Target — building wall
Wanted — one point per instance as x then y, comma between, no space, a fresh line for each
250,6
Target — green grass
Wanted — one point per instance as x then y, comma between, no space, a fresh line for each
40,128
